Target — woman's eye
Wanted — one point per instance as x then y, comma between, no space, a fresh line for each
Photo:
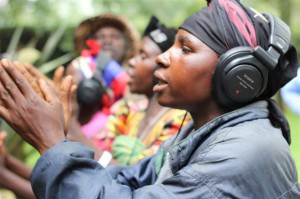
143,56
186,49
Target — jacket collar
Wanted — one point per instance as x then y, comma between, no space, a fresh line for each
188,140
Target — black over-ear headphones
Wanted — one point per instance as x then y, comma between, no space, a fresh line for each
241,73
91,90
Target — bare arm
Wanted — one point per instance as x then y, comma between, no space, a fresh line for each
14,174
18,167
16,184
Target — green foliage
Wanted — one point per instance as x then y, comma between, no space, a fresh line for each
14,40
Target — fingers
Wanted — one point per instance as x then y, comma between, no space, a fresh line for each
65,91
66,85
74,104
30,78
33,71
48,92
3,135
5,98
58,76
37,74
3,151
65,98
12,82
4,113
73,93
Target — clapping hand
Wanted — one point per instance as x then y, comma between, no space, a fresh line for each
61,85
38,120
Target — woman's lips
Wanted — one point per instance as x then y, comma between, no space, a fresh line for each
130,79
162,83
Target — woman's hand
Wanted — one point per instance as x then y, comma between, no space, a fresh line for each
38,121
62,87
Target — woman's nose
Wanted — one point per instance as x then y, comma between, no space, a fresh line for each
163,59
132,62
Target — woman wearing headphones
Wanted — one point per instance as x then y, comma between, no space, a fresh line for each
235,147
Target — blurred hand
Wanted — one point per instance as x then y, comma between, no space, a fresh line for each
34,72
38,121
65,93
74,131
3,151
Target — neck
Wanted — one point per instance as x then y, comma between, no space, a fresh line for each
152,110
153,106
206,114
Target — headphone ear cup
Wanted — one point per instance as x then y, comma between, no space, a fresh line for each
238,78
90,91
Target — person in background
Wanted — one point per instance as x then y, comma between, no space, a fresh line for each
237,144
104,43
116,34
14,174
290,94
136,128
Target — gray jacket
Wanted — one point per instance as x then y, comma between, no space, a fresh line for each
238,155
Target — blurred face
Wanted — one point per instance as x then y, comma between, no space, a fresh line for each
185,74
142,66
112,42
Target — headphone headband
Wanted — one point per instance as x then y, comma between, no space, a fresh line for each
279,42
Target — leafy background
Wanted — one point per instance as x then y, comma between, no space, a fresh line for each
41,32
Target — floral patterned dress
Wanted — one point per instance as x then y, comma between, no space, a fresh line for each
120,136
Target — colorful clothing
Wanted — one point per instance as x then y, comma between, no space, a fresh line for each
97,122
114,78
120,136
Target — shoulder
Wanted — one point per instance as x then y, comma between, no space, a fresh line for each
246,156
247,141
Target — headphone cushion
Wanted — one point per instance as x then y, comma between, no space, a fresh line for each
238,77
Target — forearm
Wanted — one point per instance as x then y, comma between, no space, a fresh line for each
16,184
71,164
18,167
68,171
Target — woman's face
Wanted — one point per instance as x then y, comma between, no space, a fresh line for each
185,74
142,66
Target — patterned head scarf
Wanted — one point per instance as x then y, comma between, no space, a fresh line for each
161,35
226,24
